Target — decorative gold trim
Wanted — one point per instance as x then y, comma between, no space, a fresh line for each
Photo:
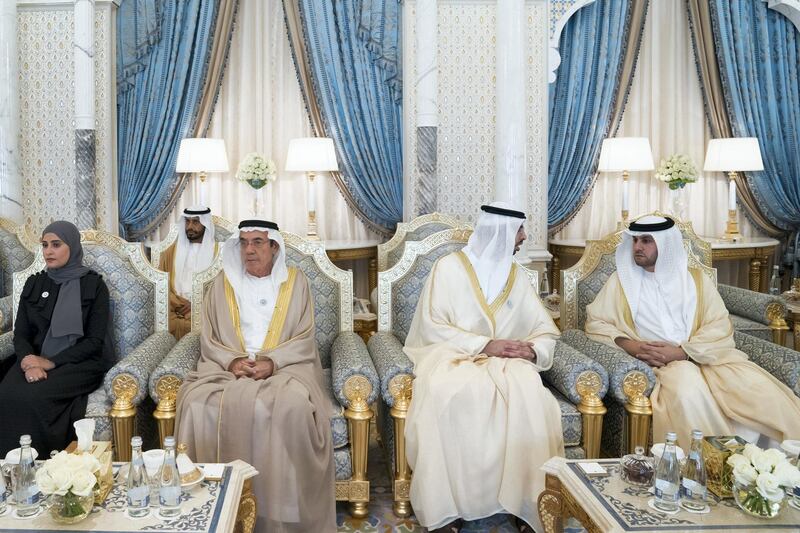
638,410
280,312
400,387
123,413
592,410
246,513
404,228
776,313
167,390
357,389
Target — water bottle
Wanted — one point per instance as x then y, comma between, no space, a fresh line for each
138,484
668,477
775,281
693,485
26,491
169,492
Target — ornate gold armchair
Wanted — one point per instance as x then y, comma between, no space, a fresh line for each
223,229
349,372
577,382
17,248
628,422
138,324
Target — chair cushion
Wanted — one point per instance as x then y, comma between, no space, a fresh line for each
343,464
751,327
571,425
13,258
132,297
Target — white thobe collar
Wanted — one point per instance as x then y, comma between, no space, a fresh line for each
256,304
653,320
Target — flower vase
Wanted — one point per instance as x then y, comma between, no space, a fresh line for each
679,200
258,195
70,508
752,502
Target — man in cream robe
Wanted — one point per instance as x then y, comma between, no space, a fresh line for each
658,310
194,251
481,422
257,393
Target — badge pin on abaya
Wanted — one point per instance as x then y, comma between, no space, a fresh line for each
45,294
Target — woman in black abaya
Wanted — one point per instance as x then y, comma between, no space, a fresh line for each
61,351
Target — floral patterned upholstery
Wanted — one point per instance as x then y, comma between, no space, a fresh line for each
6,345
748,304
568,365
751,327
6,312
14,256
406,291
781,362
326,302
590,286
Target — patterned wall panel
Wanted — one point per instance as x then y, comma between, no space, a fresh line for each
466,100
47,139
47,125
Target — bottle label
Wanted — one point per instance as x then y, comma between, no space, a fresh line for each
169,496
28,496
692,489
665,490
139,496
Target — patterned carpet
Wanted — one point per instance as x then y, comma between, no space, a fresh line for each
382,519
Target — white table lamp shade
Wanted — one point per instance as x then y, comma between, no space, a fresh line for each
311,154
202,155
625,153
733,155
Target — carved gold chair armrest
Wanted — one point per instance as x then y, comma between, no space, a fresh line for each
630,383
167,378
355,386
765,309
584,382
126,386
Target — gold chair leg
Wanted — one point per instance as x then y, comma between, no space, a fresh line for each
246,513
400,389
592,410
639,410
357,390
123,415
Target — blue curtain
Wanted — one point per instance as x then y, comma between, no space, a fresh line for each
156,106
582,100
758,52
138,30
358,99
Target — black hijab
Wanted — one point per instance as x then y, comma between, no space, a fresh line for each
66,324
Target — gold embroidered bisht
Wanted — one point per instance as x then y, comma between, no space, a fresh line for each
178,325
478,427
280,425
717,387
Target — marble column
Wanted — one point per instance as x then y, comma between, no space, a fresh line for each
85,157
427,112
10,177
510,182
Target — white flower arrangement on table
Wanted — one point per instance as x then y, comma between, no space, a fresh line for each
762,476
71,476
676,171
256,170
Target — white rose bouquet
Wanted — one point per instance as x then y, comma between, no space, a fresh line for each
761,477
71,476
256,170
676,171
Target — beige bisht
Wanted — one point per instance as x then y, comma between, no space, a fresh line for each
178,325
478,427
280,425
718,390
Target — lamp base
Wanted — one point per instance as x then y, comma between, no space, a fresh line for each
311,234
732,228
